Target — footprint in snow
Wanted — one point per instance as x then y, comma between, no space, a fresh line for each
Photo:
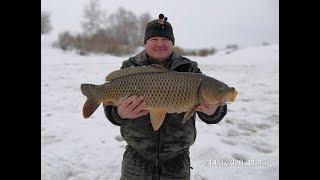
262,148
246,100
273,118
227,141
247,127
229,121
263,126
49,139
240,157
232,132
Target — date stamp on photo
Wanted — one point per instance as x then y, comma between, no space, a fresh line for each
234,162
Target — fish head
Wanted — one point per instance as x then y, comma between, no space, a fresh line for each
213,91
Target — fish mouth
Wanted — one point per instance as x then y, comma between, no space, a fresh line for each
231,96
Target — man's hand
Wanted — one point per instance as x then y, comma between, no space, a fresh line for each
132,107
210,109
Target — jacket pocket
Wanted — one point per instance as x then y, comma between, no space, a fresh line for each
134,166
130,164
178,167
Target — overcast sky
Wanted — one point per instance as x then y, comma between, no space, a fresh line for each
196,24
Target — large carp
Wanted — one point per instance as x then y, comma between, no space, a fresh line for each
164,91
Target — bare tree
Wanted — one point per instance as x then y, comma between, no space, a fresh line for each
124,27
118,34
93,17
45,22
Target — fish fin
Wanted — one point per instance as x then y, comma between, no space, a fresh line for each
108,103
189,113
135,70
89,107
157,117
231,96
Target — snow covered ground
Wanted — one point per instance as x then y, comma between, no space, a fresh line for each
76,149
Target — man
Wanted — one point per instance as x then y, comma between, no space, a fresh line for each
161,154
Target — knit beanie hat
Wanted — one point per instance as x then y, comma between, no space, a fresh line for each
159,27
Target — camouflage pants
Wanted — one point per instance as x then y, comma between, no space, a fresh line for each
135,167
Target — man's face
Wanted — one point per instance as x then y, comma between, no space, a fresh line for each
159,48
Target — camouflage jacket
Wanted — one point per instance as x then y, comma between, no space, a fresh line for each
173,137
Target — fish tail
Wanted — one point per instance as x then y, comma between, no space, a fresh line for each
87,89
91,103
89,107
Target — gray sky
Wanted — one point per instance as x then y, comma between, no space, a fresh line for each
196,24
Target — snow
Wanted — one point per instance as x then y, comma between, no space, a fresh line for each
73,148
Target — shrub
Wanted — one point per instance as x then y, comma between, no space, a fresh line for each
203,52
45,23
179,50
200,52
231,48
96,43
66,41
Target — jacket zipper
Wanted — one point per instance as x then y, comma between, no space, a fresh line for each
157,162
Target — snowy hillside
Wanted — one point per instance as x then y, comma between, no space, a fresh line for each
73,148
